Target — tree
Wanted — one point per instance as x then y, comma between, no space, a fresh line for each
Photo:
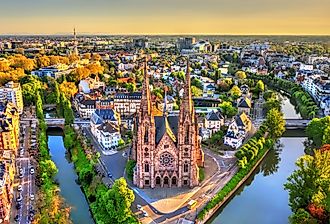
95,68
4,66
260,86
275,123
227,109
20,61
39,109
68,88
195,91
308,187
240,75
316,130
87,56
96,57
235,92
196,82
42,61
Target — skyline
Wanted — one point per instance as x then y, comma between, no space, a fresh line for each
173,17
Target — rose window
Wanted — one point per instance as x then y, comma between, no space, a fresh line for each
166,159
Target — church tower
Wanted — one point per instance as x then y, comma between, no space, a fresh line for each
188,144
146,141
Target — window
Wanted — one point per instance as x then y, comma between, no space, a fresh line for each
186,152
146,134
166,146
185,182
186,137
146,182
166,159
146,153
185,167
146,167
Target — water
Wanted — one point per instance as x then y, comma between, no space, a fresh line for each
262,199
66,177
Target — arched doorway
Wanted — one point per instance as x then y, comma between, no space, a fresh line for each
166,182
173,181
157,180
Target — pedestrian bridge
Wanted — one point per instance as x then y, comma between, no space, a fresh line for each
55,122
296,123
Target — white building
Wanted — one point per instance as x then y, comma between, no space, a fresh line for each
213,121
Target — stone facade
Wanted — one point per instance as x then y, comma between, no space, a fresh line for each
166,148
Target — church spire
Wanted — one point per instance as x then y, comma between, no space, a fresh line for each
146,106
187,99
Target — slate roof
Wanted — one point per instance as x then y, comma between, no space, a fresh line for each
101,115
214,116
245,103
108,127
242,119
166,124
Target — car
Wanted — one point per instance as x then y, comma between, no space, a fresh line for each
21,175
16,219
109,175
145,214
139,207
18,206
32,170
19,187
31,197
20,170
19,198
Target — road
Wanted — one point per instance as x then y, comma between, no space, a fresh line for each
27,180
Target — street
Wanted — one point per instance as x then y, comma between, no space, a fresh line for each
24,183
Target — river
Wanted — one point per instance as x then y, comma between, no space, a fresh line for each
66,177
262,199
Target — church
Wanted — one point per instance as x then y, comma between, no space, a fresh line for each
166,147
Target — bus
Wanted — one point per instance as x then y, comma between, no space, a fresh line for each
192,204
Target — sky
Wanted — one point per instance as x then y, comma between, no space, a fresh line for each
165,16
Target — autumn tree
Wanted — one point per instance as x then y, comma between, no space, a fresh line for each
96,57
20,61
4,66
195,91
260,86
240,75
95,68
42,61
68,88
87,56
235,92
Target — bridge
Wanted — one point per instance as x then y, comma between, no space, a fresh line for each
55,122
296,123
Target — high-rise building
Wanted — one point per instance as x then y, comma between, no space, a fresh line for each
140,43
12,92
166,148
75,43
186,43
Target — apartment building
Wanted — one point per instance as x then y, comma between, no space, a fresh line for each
12,92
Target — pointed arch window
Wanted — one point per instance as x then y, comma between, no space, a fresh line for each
146,167
186,135
185,167
146,134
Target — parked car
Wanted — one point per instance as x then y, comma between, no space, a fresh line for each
19,187
31,170
32,197
145,214
139,207
16,219
109,175
19,198
18,206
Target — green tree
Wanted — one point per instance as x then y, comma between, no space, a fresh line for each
275,123
227,109
260,86
316,130
195,91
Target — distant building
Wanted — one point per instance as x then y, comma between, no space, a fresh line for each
52,71
86,107
12,92
185,43
89,84
140,43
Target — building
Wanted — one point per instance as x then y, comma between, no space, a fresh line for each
213,121
9,127
238,131
244,105
127,103
140,43
185,43
6,192
89,84
12,92
86,107
166,148
105,127
52,71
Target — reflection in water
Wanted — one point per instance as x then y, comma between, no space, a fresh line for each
271,161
